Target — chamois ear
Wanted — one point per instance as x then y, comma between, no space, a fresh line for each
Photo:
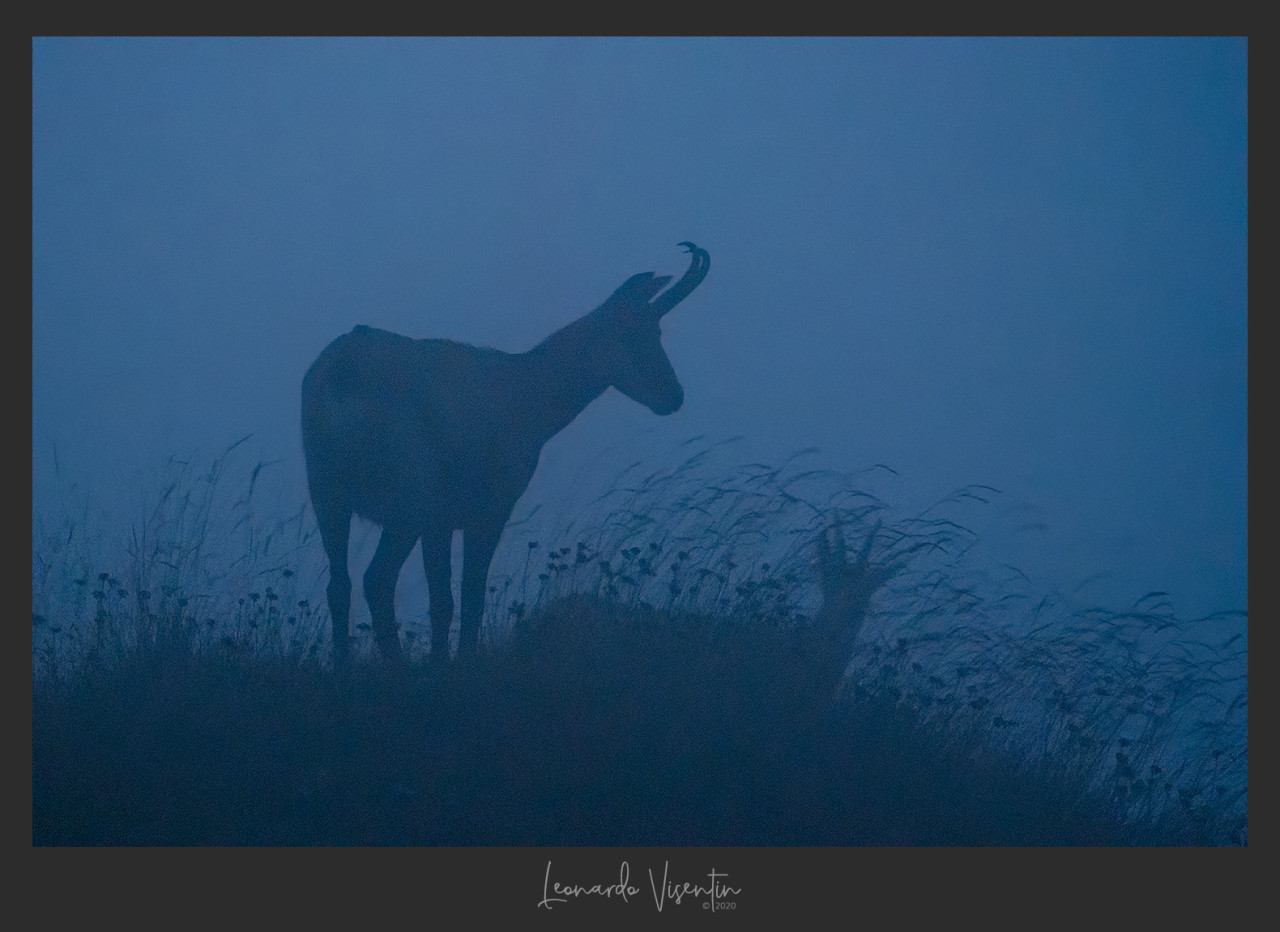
659,282
639,289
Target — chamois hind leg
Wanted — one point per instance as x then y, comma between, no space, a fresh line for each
380,588
478,545
334,521
436,558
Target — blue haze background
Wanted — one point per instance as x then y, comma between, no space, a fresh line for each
1017,262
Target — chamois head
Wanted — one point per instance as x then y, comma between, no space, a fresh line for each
631,352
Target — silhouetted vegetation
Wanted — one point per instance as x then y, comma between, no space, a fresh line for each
702,662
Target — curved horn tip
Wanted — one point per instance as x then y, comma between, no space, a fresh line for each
689,247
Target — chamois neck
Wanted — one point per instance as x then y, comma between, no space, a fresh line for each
565,375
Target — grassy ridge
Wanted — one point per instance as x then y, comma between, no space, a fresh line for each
663,680
591,727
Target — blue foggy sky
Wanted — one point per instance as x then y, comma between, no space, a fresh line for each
1017,262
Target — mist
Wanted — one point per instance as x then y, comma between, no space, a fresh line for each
1014,262
977,305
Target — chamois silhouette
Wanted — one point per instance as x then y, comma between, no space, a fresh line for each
847,588
424,437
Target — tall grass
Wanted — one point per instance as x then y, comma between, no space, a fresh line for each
1141,707
650,677
203,562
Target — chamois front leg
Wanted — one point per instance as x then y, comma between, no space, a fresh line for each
436,557
478,545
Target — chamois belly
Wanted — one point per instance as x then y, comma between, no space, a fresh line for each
412,490
422,491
